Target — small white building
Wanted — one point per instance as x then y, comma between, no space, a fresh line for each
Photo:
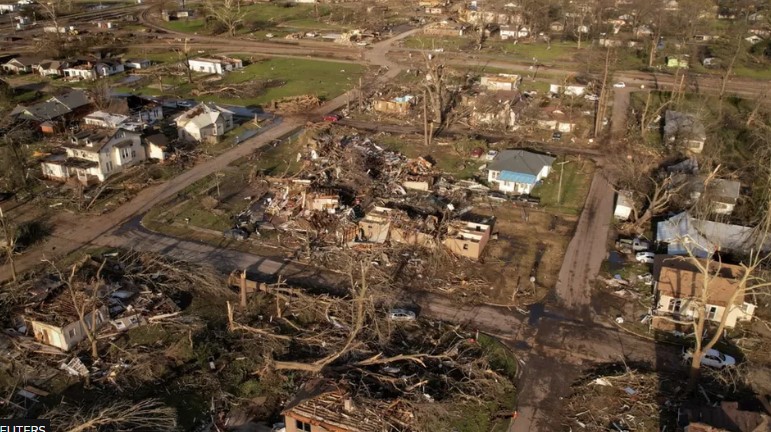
137,64
104,119
500,82
567,90
220,65
624,205
91,157
518,171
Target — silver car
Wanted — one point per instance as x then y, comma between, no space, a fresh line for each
401,315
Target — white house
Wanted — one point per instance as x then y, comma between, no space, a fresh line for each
104,119
51,68
94,70
518,171
678,282
507,32
21,65
219,65
93,156
624,205
205,122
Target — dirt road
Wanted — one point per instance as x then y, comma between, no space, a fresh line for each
587,249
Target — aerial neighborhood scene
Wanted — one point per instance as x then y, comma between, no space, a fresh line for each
366,216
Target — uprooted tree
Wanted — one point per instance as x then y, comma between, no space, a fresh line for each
350,338
120,415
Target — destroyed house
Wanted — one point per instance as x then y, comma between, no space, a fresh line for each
399,105
496,109
56,322
56,109
323,407
420,230
500,82
325,201
468,236
684,129
206,122
678,281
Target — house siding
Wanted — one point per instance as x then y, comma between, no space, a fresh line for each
66,337
687,309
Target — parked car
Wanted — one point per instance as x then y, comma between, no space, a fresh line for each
497,196
236,234
556,136
332,118
278,427
401,315
592,97
712,358
619,85
528,199
645,257
637,244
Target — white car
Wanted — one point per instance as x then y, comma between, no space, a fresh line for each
619,85
712,358
401,315
592,97
645,257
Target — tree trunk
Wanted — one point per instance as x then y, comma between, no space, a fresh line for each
694,373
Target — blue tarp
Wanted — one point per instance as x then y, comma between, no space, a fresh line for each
515,177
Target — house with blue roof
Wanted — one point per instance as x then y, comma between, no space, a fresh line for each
518,171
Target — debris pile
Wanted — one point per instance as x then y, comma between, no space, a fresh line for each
622,399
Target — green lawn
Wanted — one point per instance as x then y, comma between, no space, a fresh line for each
195,25
324,79
321,78
576,179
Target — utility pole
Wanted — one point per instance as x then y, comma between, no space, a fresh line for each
361,97
425,118
559,189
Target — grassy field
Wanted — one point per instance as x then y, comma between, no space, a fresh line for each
324,79
576,179
321,78
266,16
519,52
195,25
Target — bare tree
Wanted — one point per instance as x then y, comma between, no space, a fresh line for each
748,282
227,12
89,320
